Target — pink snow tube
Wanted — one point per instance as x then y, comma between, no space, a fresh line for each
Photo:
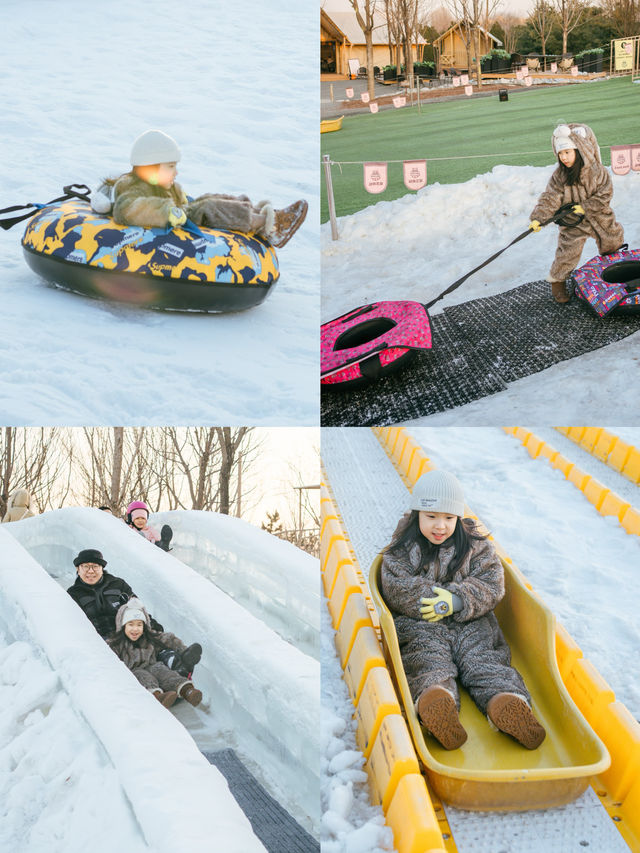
610,283
372,341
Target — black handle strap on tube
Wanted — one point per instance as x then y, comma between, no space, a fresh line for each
80,191
564,215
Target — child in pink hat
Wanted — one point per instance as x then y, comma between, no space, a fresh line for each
137,517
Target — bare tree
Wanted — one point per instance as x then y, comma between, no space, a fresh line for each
569,13
624,16
509,24
112,466
542,20
34,459
365,20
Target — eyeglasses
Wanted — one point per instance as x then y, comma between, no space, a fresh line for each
89,567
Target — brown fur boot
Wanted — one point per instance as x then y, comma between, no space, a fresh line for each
189,692
287,222
438,714
166,699
559,292
512,715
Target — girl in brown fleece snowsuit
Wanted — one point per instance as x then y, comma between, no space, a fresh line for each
581,178
148,196
441,578
137,645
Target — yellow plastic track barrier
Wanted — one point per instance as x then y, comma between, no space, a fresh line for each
596,440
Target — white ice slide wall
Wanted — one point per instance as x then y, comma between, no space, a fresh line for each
156,760
262,688
273,579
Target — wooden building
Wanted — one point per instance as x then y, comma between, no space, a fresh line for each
450,50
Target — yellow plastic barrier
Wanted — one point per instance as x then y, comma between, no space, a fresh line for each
412,819
377,700
339,555
364,656
347,582
391,758
354,617
618,456
491,771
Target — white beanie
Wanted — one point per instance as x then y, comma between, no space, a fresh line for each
438,491
562,137
133,609
153,147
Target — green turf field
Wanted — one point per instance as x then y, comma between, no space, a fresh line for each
473,127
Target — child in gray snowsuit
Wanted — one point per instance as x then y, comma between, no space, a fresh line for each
148,196
137,646
581,178
441,578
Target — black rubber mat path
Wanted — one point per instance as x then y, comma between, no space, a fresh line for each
478,348
273,825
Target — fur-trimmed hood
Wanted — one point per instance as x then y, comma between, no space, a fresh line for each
582,137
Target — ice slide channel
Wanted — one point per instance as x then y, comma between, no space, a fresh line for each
272,579
261,694
159,767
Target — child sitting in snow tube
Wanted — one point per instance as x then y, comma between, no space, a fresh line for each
137,645
149,197
581,178
441,579
137,516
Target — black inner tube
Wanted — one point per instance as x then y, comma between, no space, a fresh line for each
364,333
625,272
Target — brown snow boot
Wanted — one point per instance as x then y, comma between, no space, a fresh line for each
287,222
512,715
438,713
167,699
189,692
559,292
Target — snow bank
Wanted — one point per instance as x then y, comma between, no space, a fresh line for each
179,799
255,684
274,580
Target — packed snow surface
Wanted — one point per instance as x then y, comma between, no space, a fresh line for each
413,248
260,692
81,82
583,565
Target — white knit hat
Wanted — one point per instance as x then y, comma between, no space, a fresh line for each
438,491
133,609
152,147
562,137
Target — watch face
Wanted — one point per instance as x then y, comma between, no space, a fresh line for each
441,607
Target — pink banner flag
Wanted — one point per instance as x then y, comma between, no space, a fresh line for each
620,159
373,107
349,93
635,158
399,101
455,81
365,97
574,70
554,67
468,90
375,177
415,174
528,81
464,79
519,74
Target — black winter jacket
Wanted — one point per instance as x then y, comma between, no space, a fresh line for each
100,601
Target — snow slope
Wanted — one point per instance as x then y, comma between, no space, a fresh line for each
415,247
584,566
260,693
271,578
81,82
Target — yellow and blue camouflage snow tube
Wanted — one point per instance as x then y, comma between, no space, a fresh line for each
183,269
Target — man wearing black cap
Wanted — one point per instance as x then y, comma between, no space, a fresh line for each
100,594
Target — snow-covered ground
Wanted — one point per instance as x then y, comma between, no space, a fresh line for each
260,698
415,247
585,567
237,88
